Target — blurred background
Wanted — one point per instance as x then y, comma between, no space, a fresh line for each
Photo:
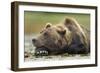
35,21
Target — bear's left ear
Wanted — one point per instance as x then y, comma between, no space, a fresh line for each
61,30
48,25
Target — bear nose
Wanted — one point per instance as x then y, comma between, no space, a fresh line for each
33,40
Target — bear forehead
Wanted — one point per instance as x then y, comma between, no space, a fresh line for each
48,30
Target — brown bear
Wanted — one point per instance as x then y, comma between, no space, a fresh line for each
67,37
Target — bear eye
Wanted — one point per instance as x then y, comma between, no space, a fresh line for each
45,33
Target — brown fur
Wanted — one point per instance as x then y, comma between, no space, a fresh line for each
55,37
75,28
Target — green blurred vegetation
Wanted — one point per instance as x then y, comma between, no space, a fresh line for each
35,21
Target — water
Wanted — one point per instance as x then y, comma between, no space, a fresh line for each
29,53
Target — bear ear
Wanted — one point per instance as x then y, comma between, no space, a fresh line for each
61,30
48,25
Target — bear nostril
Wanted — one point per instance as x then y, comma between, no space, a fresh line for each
33,40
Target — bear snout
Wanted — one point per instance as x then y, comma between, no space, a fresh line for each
34,40
37,43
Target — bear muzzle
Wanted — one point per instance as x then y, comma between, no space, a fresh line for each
36,42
